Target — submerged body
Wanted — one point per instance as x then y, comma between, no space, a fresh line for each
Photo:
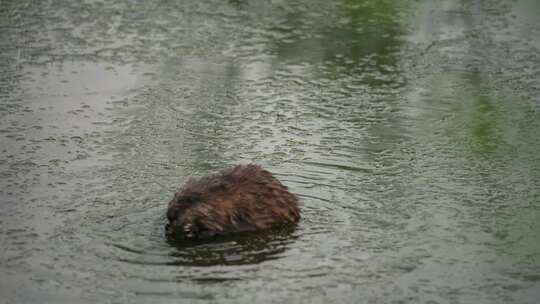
244,198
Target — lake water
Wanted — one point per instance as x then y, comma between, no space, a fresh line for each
410,130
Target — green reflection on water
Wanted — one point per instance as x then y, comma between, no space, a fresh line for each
346,37
369,27
480,119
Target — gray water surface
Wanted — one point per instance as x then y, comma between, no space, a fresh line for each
410,130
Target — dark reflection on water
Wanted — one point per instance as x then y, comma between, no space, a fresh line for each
246,248
409,130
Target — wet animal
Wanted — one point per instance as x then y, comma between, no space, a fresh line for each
243,198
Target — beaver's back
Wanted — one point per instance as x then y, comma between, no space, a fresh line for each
244,198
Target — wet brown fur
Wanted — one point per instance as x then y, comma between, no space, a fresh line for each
244,198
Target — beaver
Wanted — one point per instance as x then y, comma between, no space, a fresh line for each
243,198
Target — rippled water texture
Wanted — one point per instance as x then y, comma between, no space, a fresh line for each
409,129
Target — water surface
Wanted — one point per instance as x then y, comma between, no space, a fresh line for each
410,130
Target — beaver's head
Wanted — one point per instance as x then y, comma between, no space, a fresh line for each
181,223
